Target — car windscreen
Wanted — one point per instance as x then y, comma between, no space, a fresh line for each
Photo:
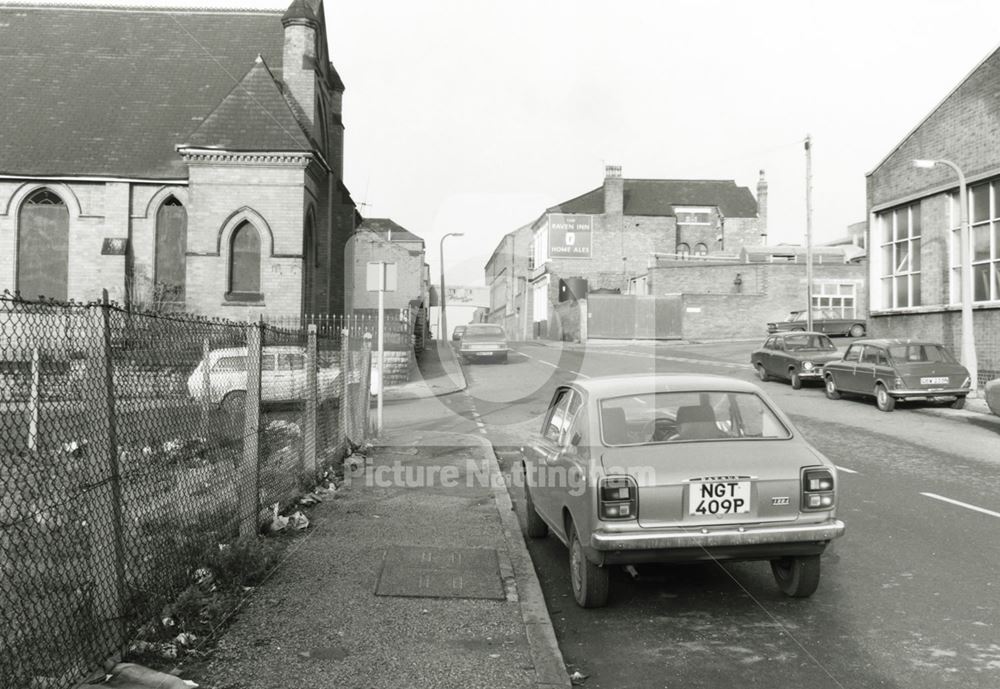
797,342
920,353
656,417
483,331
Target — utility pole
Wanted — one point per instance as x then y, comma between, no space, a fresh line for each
442,317
809,215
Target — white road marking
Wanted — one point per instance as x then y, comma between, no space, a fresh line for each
542,361
846,470
962,504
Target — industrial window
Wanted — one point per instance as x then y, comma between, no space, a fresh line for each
900,256
170,262
683,251
700,249
840,298
984,240
693,215
43,247
244,264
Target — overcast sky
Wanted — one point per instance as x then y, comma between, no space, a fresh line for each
474,116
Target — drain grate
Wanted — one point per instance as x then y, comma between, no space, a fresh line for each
425,572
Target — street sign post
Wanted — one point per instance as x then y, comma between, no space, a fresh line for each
381,278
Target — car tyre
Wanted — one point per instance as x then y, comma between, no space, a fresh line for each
590,583
795,380
797,577
958,403
534,526
234,402
761,372
830,387
883,400
857,330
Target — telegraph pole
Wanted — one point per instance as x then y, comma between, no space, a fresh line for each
809,216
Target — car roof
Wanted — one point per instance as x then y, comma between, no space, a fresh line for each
269,349
889,341
613,386
797,333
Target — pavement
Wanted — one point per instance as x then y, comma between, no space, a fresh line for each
403,579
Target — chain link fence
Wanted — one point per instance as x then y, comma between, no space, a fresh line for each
132,444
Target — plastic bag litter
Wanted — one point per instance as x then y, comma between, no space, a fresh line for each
577,678
310,500
132,676
277,523
185,639
298,521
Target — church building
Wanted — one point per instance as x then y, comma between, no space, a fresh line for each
182,159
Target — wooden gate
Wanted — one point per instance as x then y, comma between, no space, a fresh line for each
634,317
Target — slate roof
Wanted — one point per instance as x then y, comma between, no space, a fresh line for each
659,196
111,92
254,117
381,226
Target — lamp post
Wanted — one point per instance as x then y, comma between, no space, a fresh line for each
965,263
442,318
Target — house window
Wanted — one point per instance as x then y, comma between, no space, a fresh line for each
700,249
244,264
170,264
841,298
683,251
693,215
43,247
984,238
900,256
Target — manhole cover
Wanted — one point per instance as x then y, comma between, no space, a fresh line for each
424,572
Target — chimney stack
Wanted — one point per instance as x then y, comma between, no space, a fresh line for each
614,190
762,207
298,64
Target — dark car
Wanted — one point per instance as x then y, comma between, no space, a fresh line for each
794,356
892,370
824,321
456,334
483,341
677,468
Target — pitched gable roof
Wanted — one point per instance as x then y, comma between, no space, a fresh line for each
383,227
255,116
659,196
111,92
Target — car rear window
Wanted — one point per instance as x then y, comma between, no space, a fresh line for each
659,417
488,330
928,353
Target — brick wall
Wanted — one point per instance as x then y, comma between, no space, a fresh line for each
368,246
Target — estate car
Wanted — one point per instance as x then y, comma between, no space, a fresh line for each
893,370
795,357
677,468
824,321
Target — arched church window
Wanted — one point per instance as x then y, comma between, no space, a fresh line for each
43,247
170,262
244,262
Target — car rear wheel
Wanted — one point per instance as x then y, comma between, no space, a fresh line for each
797,577
857,330
958,403
234,402
830,387
883,400
796,381
590,582
761,372
534,527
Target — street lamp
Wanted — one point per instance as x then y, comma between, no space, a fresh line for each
968,334
442,318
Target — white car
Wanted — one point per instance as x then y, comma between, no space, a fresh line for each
282,377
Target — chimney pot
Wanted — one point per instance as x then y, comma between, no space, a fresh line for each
612,171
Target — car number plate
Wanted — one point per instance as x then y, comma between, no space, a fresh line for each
933,381
719,497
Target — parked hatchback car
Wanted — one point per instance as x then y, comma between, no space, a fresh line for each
796,357
824,321
483,341
677,468
282,377
893,370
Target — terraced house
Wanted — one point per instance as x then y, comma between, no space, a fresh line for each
184,159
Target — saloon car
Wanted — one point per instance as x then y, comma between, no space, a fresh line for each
483,341
456,334
824,321
677,468
894,370
795,357
282,377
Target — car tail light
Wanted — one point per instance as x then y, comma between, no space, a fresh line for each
617,498
818,490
